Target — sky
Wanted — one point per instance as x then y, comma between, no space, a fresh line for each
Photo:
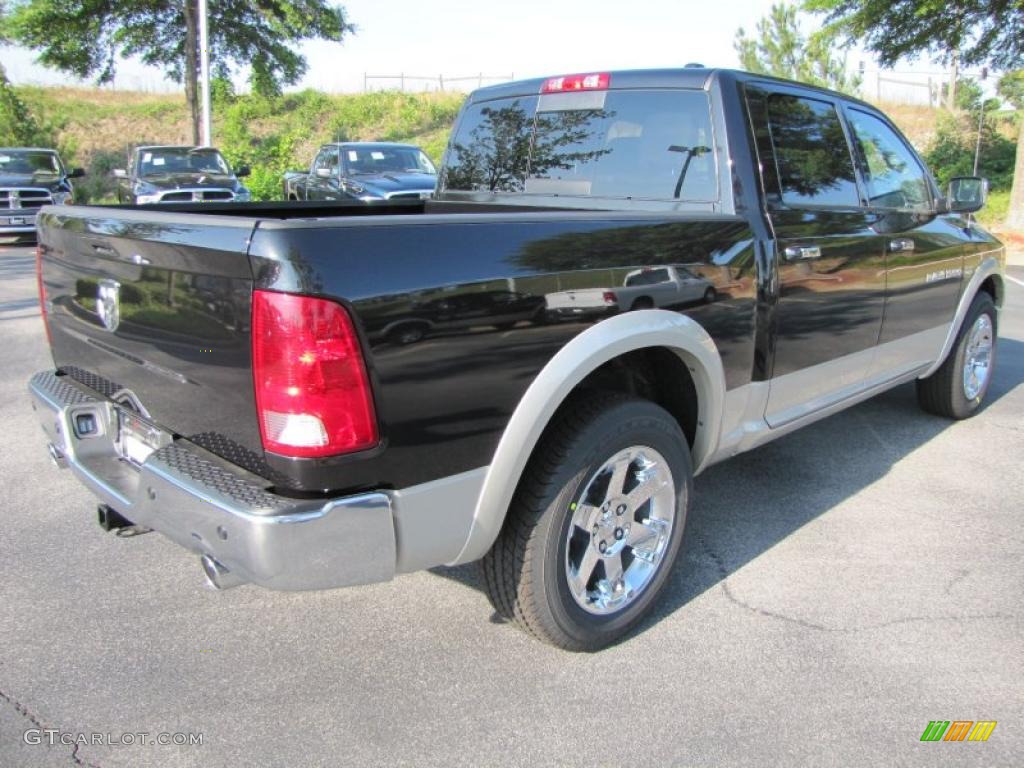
520,39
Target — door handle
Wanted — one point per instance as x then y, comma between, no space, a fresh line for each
794,252
901,245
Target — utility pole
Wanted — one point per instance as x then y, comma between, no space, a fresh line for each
954,74
204,69
981,124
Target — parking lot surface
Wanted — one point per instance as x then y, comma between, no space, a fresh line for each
838,589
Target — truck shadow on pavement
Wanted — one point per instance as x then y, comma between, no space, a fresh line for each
745,506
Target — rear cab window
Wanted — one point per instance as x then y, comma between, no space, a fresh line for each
633,144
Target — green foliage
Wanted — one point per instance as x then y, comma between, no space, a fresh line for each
952,152
18,125
780,49
99,184
969,96
275,134
1011,88
86,37
995,210
981,31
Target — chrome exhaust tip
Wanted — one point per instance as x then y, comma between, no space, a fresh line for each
217,576
57,457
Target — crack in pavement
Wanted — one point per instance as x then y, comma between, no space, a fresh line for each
723,572
25,712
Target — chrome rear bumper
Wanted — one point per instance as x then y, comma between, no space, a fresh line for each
213,507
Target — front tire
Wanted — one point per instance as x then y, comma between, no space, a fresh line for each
957,389
595,525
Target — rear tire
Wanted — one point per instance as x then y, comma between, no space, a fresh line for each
957,389
579,561
407,334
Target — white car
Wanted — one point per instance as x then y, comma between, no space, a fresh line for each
645,288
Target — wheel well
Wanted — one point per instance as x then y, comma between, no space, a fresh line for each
657,374
994,288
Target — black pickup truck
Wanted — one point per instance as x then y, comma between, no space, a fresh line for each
173,174
219,376
29,179
367,171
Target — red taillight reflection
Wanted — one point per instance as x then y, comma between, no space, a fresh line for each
598,81
609,297
42,293
312,391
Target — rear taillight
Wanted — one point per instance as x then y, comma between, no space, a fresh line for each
42,292
609,297
312,391
598,81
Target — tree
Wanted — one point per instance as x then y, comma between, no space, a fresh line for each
781,49
976,32
86,37
1011,88
509,141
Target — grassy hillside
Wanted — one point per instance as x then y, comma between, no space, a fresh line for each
94,128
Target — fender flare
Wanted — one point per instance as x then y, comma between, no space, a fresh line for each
574,362
991,266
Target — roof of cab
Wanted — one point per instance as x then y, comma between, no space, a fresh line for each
695,77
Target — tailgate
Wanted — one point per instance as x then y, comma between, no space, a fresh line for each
152,309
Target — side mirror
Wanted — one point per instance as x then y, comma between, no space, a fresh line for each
120,173
243,171
324,173
967,194
76,173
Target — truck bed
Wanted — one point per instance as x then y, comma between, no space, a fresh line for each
449,299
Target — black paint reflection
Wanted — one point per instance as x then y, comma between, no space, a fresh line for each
461,337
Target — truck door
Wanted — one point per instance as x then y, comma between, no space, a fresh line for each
925,250
323,183
830,260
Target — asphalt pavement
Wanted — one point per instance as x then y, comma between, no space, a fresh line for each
838,590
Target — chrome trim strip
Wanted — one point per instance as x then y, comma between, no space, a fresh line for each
194,191
577,359
424,194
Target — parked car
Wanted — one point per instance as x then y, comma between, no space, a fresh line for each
31,177
645,288
166,174
294,453
364,171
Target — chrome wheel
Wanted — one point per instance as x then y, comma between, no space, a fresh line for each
620,530
978,357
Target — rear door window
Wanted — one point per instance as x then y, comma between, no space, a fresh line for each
648,277
641,144
812,155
